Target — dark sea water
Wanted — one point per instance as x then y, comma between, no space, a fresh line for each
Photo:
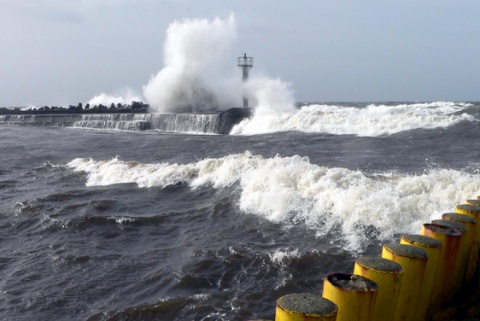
112,225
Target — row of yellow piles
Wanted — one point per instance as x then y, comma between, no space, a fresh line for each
411,281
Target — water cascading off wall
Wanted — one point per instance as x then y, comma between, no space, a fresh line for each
218,123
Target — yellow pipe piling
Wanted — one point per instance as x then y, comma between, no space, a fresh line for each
388,276
450,239
414,261
353,294
470,223
460,264
474,202
433,248
472,211
305,306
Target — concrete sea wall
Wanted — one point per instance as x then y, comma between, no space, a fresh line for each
218,123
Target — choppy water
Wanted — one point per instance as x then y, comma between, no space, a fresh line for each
109,225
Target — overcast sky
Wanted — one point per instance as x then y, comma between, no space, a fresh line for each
58,52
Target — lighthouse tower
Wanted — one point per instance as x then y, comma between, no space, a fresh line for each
245,62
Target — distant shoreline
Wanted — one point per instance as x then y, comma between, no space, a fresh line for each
135,107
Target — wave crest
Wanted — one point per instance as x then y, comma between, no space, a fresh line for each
291,191
371,120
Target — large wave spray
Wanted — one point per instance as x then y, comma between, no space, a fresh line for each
200,75
124,96
195,77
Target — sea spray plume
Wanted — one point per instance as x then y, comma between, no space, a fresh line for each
271,95
124,96
194,79
274,102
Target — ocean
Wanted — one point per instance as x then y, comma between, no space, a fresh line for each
126,225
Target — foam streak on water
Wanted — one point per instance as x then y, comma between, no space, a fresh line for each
292,191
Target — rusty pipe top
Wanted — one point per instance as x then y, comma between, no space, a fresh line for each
352,282
421,240
306,303
379,264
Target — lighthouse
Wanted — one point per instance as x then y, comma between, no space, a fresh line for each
246,63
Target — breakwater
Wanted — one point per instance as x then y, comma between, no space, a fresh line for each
218,123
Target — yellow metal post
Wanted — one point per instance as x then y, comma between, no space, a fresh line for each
353,294
466,225
414,261
388,276
460,264
433,248
470,223
450,239
472,211
474,202
305,307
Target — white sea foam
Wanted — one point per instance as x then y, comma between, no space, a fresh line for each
124,96
195,77
372,120
280,255
292,191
